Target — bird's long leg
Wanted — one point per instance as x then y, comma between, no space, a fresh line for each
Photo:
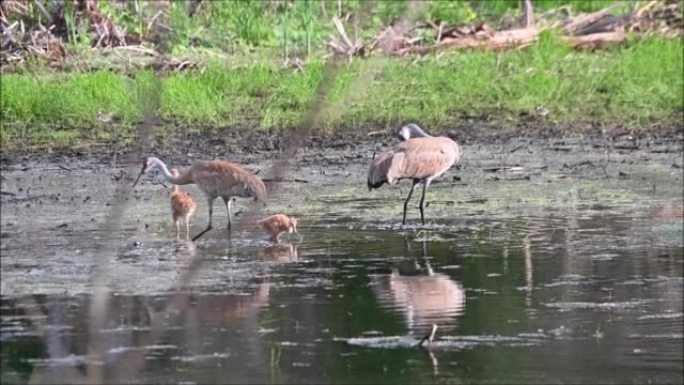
187,227
415,182
422,200
211,212
175,221
230,220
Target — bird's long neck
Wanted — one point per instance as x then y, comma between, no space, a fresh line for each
413,131
167,174
419,133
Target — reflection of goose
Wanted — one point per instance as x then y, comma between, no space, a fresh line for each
280,253
424,299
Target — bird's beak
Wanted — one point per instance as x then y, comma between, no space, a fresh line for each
398,136
137,179
139,175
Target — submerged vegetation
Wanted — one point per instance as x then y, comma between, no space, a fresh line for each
242,82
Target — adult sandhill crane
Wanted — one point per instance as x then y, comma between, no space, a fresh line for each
182,206
419,157
277,224
216,178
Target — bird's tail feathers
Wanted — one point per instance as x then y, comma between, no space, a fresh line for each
258,191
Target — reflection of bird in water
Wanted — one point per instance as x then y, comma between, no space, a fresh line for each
672,210
207,314
424,299
276,225
223,309
420,157
182,206
280,253
58,347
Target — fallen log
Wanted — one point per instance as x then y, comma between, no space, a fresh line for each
500,41
136,48
580,22
596,40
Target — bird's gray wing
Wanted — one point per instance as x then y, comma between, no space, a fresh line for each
386,167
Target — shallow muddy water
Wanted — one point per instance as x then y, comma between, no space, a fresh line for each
536,268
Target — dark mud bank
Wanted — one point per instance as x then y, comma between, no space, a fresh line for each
247,144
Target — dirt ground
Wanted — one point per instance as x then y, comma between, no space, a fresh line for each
345,146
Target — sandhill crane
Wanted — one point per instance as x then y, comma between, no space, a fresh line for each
216,178
182,206
277,224
419,157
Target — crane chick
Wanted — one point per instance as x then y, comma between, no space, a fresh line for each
182,206
277,224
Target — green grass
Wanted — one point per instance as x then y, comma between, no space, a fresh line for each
305,25
635,85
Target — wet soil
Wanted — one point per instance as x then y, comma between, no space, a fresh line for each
178,145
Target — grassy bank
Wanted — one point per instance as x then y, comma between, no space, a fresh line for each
635,85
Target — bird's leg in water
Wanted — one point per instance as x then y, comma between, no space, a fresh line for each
408,198
187,227
428,337
211,212
407,244
422,200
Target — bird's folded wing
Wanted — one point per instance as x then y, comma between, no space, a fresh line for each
423,164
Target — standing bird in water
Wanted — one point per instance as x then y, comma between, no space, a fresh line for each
216,178
182,206
420,157
277,224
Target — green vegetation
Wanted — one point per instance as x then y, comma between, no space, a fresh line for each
304,25
634,85
244,83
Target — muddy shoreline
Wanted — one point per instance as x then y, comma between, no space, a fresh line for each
502,172
246,144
